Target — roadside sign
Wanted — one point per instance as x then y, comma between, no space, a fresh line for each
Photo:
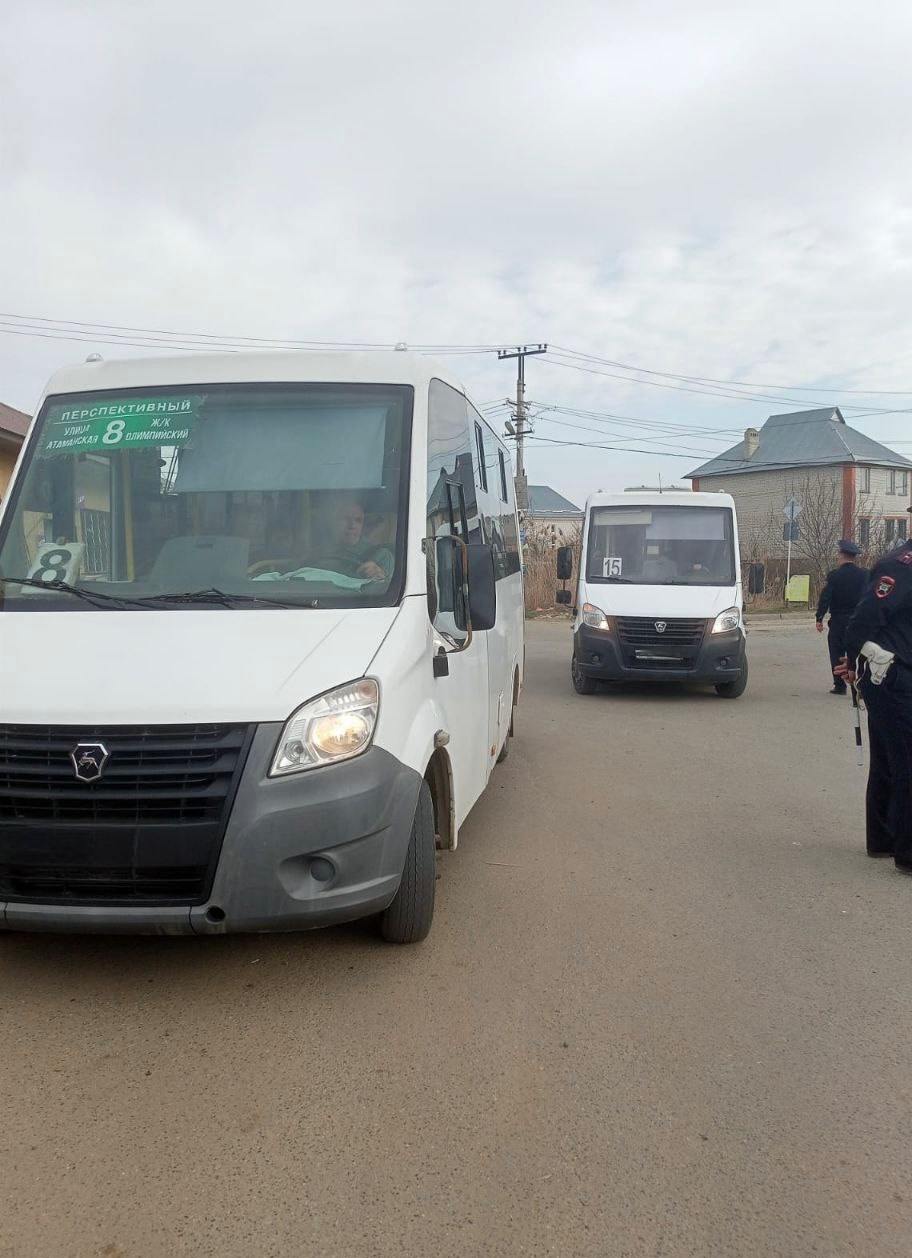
791,510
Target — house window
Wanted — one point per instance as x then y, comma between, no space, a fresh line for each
864,534
896,531
865,480
899,482
904,483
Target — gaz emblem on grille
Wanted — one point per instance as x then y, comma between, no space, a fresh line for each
89,760
661,626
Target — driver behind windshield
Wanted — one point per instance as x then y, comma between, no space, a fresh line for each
345,549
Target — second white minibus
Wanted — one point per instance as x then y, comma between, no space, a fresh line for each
658,595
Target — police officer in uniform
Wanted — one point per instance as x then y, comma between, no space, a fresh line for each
844,587
883,619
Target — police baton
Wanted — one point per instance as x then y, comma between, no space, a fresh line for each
856,717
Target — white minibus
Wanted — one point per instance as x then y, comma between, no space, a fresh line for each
261,640
658,594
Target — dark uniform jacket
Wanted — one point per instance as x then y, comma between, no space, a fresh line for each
884,614
844,587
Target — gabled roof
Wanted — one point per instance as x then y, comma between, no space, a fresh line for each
543,500
13,423
802,439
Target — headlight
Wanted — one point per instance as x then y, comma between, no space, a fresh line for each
334,727
727,621
594,617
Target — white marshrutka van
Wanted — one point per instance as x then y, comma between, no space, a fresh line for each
659,592
261,639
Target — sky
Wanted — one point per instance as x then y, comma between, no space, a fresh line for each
714,191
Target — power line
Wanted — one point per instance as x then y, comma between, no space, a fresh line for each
671,454
747,384
729,395
146,333
565,423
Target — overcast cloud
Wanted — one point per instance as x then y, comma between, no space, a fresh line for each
719,190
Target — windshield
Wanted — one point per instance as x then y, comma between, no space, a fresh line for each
273,494
661,545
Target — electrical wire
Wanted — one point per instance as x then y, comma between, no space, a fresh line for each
728,395
747,384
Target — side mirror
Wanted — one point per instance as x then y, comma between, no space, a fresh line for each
482,587
448,583
563,596
564,563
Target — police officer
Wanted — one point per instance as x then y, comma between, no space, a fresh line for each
844,587
883,619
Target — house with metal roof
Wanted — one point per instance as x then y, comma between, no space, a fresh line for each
845,483
552,511
13,427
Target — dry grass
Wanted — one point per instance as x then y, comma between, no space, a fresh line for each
540,568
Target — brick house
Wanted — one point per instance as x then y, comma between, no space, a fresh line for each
813,454
13,427
847,484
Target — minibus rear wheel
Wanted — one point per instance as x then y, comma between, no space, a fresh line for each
408,919
582,684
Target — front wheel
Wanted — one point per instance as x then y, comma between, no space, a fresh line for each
733,689
408,919
582,684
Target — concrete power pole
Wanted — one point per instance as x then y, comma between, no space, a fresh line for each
521,353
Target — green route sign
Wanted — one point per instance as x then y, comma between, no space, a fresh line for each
125,424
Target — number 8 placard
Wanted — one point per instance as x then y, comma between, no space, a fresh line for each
56,561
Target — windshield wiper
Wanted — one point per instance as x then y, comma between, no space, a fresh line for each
95,597
219,598
623,580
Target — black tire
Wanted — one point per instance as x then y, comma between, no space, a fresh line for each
582,684
734,689
408,919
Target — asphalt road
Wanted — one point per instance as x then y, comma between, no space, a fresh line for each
665,1010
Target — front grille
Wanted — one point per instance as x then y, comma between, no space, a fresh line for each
149,829
72,884
642,631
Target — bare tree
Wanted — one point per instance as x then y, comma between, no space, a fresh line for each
820,524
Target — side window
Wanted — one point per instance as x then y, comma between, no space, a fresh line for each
449,462
503,476
480,451
452,501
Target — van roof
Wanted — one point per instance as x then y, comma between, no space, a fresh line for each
654,499
253,367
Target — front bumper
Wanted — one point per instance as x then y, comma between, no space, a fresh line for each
356,815
601,655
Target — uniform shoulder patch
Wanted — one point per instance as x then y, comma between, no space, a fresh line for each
885,587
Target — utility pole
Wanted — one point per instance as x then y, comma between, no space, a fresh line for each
521,353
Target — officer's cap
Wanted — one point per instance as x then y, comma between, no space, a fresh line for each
848,548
